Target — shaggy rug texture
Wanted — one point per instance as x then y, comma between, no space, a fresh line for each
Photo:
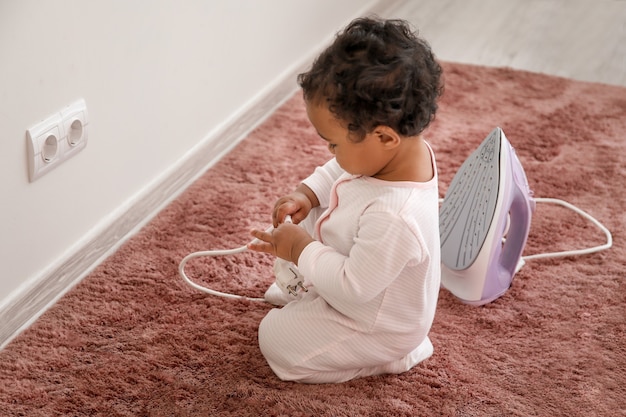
133,339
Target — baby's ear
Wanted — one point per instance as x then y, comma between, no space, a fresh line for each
387,136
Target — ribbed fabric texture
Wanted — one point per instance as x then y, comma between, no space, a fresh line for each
373,277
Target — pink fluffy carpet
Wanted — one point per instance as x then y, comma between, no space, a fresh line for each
132,339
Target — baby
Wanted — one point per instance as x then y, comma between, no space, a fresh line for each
365,232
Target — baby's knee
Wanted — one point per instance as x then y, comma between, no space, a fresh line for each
275,343
265,330
270,335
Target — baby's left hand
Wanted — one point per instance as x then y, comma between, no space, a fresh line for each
287,241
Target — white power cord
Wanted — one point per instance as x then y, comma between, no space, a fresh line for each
607,233
181,270
213,253
522,261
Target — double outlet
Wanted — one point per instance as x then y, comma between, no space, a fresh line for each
56,139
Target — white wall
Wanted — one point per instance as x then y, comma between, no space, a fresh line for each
158,77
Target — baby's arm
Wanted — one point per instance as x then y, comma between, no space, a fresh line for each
287,241
314,191
297,204
383,248
322,180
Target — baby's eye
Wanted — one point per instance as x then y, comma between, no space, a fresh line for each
331,146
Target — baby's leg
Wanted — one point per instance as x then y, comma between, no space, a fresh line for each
308,341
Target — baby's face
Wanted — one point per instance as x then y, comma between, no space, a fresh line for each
367,157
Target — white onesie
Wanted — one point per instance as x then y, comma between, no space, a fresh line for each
373,275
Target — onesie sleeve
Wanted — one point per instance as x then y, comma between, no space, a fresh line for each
383,247
322,180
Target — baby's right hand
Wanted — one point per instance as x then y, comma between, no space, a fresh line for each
296,204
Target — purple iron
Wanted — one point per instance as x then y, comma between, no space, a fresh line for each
488,198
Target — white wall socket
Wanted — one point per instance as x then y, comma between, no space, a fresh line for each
56,139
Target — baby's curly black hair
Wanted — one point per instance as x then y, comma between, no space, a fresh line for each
376,72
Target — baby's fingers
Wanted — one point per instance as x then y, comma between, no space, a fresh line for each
262,242
282,210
